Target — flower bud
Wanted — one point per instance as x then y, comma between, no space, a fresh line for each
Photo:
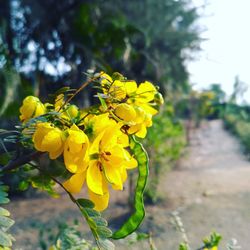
32,107
158,98
49,139
125,112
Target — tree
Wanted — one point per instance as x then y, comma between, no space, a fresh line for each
50,42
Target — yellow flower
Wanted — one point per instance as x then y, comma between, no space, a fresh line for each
158,98
125,112
32,107
70,112
76,158
49,139
108,164
117,89
143,97
76,150
135,118
106,80
94,124
59,102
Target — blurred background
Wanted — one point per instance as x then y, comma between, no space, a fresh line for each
196,51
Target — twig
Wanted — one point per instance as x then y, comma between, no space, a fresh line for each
85,84
74,200
151,243
13,164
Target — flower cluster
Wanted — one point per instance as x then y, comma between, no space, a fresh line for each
94,142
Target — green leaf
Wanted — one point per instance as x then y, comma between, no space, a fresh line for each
99,221
62,90
213,241
91,222
106,244
10,80
92,213
183,246
137,217
86,203
23,185
6,222
4,200
103,103
5,239
3,193
4,212
104,232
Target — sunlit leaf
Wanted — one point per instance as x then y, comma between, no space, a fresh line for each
4,212
6,222
106,244
5,239
86,203
104,232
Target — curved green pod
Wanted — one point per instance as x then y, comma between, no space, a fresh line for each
139,212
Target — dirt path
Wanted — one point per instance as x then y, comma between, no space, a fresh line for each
210,189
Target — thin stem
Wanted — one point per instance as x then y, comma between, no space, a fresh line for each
84,85
13,164
74,200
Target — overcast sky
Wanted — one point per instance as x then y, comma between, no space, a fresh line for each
226,53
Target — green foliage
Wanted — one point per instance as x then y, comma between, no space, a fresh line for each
138,215
69,238
237,120
5,222
127,37
97,224
44,183
10,80
184,246
212,241
164,143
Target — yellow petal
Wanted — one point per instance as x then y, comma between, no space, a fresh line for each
134,129
142,132
40,109
75,162
42,129
75,183
130,162
52,141
95,178
101,201
113,175
131,87
54,154
123,174
123,140
149,109
125,112
117,90
109,137
31,107
146,92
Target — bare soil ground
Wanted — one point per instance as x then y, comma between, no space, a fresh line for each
210,189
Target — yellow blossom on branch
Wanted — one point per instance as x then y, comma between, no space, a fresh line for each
108,163
48,138
32,107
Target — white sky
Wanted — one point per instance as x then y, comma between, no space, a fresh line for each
226,53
